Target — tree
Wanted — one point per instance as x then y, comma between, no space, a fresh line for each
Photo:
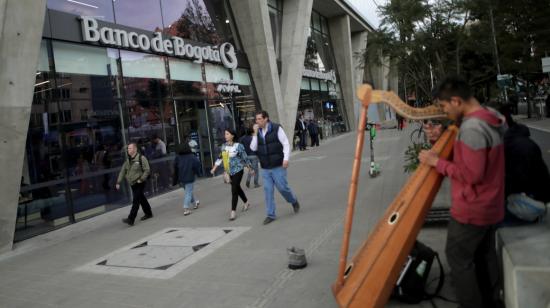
440,37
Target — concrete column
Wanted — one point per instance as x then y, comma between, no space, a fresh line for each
340,34
296,17
358,44
252,18
20,32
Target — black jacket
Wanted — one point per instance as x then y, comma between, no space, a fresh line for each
525,169
270,149
186,166
245,141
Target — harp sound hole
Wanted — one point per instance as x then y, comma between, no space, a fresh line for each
393,218
348,270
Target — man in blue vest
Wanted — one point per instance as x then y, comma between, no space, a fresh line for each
273,149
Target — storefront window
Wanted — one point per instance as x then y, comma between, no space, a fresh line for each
92,136
276,19
74,141
149,114
99,9
186,79
319,98
142,14
198,20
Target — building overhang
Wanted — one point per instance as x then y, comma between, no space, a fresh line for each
335,8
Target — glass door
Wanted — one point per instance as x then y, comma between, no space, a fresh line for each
193,128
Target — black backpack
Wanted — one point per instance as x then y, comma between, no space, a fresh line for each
411,284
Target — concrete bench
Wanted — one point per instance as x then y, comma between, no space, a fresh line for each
525,252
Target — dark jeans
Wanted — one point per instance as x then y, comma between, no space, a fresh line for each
254,162
303,136
471,254
314,139
236,190
139,198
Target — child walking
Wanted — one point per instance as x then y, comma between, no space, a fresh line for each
186,167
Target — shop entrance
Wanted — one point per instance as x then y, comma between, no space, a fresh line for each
193,123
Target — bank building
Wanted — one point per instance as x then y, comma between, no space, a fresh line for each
111,72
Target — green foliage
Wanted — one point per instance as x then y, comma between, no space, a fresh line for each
455,36
411,156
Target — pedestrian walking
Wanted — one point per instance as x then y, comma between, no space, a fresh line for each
135,171
400,122
302,131
254,162
273,149
313,130
234,159
477,189
186,167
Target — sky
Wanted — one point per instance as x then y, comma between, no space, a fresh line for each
368,9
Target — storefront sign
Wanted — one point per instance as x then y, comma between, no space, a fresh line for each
228,86
329,76
175,46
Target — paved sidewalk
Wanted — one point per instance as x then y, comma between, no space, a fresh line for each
247,271
542,124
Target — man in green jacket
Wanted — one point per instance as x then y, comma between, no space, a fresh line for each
135,170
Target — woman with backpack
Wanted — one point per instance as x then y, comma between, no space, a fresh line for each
234,159
186,167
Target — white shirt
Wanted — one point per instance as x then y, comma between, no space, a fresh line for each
232,151
282,139
161,147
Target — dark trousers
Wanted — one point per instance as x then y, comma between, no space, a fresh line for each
303,136
471,254
314,139
139,198
236,190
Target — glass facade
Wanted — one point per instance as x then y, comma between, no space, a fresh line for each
276,19
89,102
321,99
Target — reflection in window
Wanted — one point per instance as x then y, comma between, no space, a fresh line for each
141,14
74,133
144,76
198,20
276,19
319,55
99,9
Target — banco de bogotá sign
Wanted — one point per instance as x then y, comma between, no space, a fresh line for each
173,46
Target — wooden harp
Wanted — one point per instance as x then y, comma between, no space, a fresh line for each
369,278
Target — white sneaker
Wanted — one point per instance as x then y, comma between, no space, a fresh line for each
197,203
233,215
186,212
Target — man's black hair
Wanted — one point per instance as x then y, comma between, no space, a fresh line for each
263,113
452,86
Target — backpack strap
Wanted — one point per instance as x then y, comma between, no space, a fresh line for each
429,296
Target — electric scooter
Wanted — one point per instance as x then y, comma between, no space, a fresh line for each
374,169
